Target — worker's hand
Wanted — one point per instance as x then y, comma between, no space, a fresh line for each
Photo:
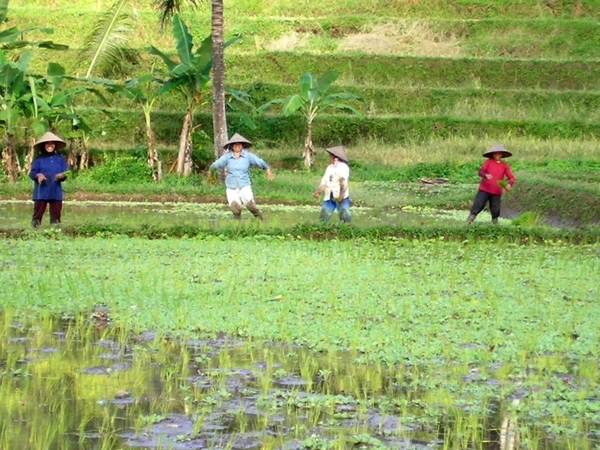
488,176
40,178
316,193
211,177
508,187
59,176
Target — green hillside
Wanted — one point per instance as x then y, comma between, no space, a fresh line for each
425,69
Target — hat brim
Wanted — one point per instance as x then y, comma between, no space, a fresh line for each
49,136
237,139
505,153
338,152
58,145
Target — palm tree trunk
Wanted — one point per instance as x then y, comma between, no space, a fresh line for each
184,158
218,78
309,150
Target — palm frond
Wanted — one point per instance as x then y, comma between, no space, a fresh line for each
108,37
168,8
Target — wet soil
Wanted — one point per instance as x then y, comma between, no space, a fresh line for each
139,197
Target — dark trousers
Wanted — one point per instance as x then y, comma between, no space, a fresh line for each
39,208
482,198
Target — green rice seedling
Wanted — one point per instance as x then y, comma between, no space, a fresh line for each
84,423
529,219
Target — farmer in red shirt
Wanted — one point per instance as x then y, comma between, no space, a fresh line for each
493,184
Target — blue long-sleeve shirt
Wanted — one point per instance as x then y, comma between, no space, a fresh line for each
238,168
49,164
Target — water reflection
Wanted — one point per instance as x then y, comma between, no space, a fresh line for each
66,384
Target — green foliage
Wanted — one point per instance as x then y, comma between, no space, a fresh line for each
117,170
203,154
341,232
384,70
106,45
529,219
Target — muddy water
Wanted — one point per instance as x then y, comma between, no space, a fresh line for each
17,214
79,383
78,388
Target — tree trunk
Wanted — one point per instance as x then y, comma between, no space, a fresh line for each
73,151
184,158
84,161
153,160
29,156
10,159
218,78
309,150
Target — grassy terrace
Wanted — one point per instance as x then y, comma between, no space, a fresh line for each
426,69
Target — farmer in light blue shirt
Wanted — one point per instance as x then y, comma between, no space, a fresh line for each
238,160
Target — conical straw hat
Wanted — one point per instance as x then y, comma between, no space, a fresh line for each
238,138
497,148
49,137
339,152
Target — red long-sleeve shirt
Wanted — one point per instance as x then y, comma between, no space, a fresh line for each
498,170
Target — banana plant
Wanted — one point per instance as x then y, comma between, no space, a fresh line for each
16,85
313,99
57,103
15,94
143,91
188,75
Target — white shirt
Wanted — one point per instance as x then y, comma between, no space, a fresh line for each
336,176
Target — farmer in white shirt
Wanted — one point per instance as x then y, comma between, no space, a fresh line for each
335,186
238,161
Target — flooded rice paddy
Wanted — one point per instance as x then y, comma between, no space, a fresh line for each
17,214
79,383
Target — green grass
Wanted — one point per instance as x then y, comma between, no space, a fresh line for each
423,8
461,69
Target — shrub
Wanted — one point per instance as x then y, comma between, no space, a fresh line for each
118,169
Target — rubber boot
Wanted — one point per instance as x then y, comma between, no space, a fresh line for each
254,210
236,209
495,221
471,218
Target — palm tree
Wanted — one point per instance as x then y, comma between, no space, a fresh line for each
106,45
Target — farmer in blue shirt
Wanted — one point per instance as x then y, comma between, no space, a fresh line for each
48,171
238,160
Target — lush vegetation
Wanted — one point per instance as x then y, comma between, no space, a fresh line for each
406,317
433,341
